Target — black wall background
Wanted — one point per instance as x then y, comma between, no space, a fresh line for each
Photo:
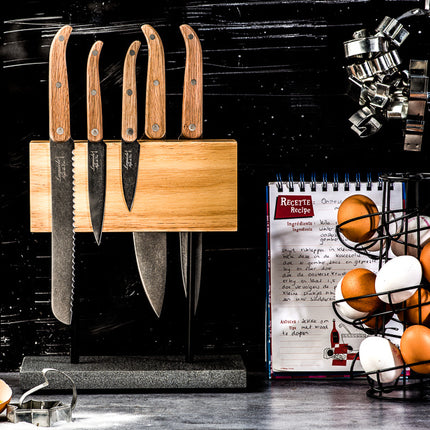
273,80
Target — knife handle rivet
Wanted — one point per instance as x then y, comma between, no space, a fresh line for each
156,82
190,36
155,127
129,92
58,84
94,132
132,52
193,82
60,130
192,127
129,131
61,38
152,36
93,92
95,53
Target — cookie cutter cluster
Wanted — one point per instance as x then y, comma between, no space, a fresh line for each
385,91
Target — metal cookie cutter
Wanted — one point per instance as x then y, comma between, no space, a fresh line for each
40,412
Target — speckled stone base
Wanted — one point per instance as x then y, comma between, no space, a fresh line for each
129,373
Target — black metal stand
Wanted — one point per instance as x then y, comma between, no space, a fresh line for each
416,386
74,329
191,297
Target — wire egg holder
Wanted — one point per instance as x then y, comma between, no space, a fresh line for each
409,385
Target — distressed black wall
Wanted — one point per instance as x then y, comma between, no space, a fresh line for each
273,80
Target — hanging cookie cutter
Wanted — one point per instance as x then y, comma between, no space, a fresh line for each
384,91
41,412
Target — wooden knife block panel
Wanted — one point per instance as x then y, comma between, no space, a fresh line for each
182,185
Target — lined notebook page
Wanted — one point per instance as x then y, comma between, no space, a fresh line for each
306,260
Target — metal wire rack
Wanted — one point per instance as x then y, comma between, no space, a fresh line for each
393,228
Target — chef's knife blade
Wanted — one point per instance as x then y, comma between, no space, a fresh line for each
61,159
130,148
96,146
192,128
151,247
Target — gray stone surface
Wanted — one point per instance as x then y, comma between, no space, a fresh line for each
129,373
264,405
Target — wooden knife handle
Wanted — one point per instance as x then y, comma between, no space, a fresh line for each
59,104
94,99
192,102
155,106
129,95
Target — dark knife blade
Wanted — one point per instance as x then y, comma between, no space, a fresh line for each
130,148
151,247
61,160
192,128
96,146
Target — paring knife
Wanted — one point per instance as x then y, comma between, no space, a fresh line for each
151,247
130,148
96,146
61,158
192,128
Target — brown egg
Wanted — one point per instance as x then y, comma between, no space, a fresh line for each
362,229
415,347
360,282
411,316
425,261
5,395
378,322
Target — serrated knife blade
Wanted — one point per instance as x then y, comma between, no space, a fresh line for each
61,161
96,146
192,128
151,247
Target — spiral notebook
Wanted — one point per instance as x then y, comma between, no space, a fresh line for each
305,261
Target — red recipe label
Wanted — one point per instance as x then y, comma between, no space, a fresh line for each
294,207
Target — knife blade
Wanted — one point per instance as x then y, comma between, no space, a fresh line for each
151,247
192,128
96,146
61,161
130,148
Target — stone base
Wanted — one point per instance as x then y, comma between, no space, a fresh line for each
137,373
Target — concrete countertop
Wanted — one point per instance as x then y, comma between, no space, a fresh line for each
282,404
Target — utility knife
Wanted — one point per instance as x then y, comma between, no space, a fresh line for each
130,148
151,247
192,128
61,160
96,146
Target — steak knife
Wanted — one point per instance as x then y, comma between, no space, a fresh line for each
151,247
130,148
192,128
96,146
61,159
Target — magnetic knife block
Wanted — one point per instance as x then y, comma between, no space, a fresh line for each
183,185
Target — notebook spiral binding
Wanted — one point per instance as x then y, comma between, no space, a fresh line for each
292,185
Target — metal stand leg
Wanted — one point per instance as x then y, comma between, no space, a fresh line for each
191,298
74,335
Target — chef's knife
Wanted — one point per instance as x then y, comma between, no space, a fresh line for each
130,148
96,146
61,159
192,128
151,247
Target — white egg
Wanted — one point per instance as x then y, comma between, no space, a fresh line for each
412,224
344,308
400,272
378,353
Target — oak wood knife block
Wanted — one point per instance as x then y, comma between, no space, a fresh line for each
182,185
